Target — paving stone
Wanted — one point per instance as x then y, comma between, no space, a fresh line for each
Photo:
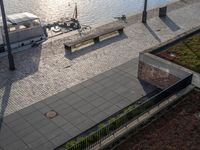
64,111
27,110
87,83
34,117
117,99
31,137
105,105
51,134
39,105
59,121
72,99
80,104
76,87
84,93
45,109
12,117
92,112
37,142
99,77
60,139
25,131
96,87
111,110
123,103
85,125
18,124
92,97
68,126
74,116
46,146
78,120
18,145
5,132
86,108
99,117
98,102
73,132
48,128
57,104
42,123
9,140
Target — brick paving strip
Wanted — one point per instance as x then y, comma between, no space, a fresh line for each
44,71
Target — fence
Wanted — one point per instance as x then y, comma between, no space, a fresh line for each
130,113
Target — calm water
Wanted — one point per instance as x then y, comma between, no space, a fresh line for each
90,11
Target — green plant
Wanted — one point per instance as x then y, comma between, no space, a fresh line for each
70,144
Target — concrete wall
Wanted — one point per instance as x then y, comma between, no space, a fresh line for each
159,72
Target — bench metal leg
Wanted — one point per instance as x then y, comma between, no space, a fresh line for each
96,40
163,11
121,31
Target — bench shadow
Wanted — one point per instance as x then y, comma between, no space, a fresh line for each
96,46
170,23
26,63
152,32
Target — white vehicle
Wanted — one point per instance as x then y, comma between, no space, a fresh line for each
25,29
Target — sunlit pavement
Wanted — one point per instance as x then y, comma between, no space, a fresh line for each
44,71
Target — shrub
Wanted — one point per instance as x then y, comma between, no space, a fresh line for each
70,144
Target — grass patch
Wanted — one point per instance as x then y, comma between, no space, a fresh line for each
186,53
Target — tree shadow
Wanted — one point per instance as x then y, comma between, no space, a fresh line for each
26,63
96,46
152,32
170,23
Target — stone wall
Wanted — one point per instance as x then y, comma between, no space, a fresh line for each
158,72
156,76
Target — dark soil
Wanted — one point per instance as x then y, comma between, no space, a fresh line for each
179,129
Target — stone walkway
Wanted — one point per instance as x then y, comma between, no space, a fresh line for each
78,109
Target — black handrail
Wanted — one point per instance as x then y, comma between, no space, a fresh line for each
126,117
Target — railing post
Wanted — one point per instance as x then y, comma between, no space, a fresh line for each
144,14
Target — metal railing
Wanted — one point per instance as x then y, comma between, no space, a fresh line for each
122,119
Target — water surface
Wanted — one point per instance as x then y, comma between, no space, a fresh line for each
90,11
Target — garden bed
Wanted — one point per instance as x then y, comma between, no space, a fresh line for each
185,53
178,129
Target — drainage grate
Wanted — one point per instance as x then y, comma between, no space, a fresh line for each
51,114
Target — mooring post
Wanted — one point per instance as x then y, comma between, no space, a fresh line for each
10,56
163,11
144,14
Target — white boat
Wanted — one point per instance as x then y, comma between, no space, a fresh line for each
25,29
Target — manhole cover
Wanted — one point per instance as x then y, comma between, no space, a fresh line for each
51,114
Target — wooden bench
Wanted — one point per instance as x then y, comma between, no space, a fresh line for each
94,36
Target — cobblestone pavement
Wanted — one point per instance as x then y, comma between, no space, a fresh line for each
44,71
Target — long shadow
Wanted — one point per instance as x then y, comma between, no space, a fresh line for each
4,102
170,23
96,46
152,32
27,63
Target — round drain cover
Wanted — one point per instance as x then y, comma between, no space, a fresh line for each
51,114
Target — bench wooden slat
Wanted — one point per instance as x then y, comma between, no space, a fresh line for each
94,36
